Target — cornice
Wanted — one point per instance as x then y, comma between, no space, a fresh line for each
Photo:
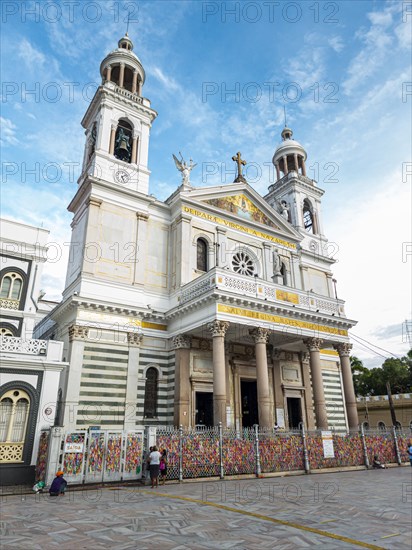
260,305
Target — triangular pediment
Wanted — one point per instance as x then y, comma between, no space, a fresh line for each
240,201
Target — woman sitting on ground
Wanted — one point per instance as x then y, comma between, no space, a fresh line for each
58,486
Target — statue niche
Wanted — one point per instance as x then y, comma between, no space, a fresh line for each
123,142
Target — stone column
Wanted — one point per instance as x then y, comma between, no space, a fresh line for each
218,330
295,158
181,344
277,170
285,165
310,420
77,338
121,75
109,73
313,345
344,350
277,383
134,340
112,136
303,167
134,150
265,406
134,84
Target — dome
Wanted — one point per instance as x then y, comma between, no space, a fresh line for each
288,146
290,156
123,56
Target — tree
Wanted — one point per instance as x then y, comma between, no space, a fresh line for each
398,372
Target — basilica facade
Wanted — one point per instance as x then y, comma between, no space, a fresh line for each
214,306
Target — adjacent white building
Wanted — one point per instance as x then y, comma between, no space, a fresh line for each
29,368
216,305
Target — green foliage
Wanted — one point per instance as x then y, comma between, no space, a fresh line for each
398,372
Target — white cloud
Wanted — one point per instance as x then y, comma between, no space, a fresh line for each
8,133
336,43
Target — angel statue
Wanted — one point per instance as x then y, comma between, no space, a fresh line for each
185,168
284,209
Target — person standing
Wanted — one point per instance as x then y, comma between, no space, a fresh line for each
163,467
154,459
410,451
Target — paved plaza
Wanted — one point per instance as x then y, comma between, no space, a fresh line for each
352,509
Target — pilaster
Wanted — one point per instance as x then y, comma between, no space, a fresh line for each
134,339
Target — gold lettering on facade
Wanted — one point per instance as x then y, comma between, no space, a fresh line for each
233,225
240,312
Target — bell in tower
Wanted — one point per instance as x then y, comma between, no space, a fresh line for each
123,149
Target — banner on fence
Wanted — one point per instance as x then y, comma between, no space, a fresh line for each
327,441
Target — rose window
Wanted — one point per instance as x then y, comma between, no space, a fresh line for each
243,264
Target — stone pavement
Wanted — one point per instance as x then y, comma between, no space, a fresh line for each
356,509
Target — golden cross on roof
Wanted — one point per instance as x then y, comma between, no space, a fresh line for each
240,162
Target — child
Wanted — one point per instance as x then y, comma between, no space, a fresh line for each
58,487
163,467
377,464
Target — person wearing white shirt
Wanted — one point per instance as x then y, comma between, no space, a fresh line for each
154,460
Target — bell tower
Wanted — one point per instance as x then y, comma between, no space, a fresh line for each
117,123
293,194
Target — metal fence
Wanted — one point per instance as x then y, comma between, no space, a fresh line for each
104,456
219,452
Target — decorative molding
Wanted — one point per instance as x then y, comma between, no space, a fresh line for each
181,341
260,335
343,349
304,357
218,328
313,344
78,332
276,354
134,338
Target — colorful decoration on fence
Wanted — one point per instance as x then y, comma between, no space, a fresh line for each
73,462
239,455
114,452
382,445
96,453
169,440
404,440
201,454
348,451
134,452
42,456
280,453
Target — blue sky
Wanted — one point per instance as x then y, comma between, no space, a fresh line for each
340,68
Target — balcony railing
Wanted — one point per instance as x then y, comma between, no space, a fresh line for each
9,304
222,279
20,345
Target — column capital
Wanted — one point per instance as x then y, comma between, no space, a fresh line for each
134,338
343,349
218,328
94,202
276,354
122,64
313,344
181,341
78,332
260,335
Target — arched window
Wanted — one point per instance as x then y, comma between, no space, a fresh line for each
11,286
150,395
381,426
123,141
202,252
14,414
398,425
128,79
365,426
308,217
